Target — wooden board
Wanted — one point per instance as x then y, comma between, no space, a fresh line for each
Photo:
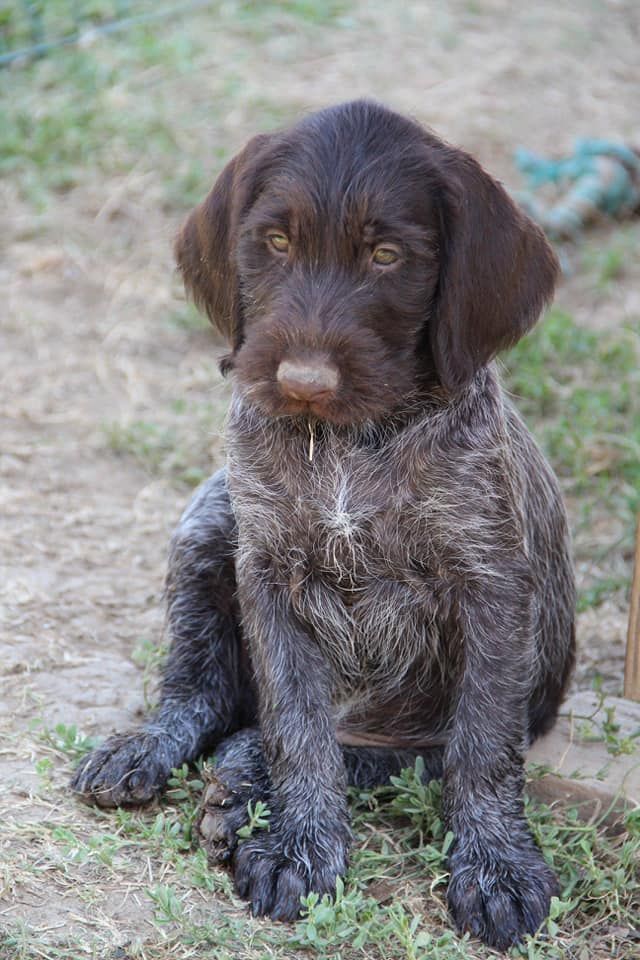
632,662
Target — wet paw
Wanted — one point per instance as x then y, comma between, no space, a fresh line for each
223,811
278,865
274,870
500,897
127,769
240,776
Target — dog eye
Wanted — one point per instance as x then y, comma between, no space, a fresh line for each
279,242
385,256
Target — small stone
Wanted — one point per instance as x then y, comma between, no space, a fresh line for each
592,756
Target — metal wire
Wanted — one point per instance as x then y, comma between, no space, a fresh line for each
41,45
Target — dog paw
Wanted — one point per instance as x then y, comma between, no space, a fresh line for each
240,776
223,811
500,897
274,870
127,769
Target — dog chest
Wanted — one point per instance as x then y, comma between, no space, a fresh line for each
352,516
355,570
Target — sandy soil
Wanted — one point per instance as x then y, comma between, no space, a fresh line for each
87,342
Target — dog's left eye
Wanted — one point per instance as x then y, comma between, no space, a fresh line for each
385,256
279,242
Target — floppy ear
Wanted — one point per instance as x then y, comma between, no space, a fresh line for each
497,272
205,247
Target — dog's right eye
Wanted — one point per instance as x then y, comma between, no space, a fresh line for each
385,256
279,242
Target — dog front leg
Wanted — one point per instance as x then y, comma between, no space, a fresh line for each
500,886
307,842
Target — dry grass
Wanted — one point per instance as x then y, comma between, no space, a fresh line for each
112,407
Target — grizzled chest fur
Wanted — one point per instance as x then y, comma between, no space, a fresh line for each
348,526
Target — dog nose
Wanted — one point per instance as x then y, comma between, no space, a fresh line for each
307,381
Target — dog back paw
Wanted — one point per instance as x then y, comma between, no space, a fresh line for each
227,805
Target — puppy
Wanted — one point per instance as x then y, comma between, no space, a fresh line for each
382,569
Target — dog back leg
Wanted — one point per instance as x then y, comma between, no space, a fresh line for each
369,767
555,634
240,777
206,690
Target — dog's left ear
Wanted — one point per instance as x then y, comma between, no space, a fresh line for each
497,272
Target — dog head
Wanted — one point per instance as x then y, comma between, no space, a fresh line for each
356,259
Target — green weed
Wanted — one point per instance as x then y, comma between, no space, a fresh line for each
259,814
606,729
100,848
67,739
150,657
44,769
160,449
597,872
104,109
606,258
187,317
392,901
168,833
580,392
169,908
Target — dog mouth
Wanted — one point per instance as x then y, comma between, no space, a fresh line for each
341,409
336,383
324,406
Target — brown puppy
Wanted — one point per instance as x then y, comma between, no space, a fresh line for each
383,568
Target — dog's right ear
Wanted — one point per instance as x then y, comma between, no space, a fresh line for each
205,247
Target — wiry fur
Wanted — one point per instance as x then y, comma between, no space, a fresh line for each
405,590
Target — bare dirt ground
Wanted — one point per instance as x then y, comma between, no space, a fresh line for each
88,342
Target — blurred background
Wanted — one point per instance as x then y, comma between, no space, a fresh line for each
111,403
